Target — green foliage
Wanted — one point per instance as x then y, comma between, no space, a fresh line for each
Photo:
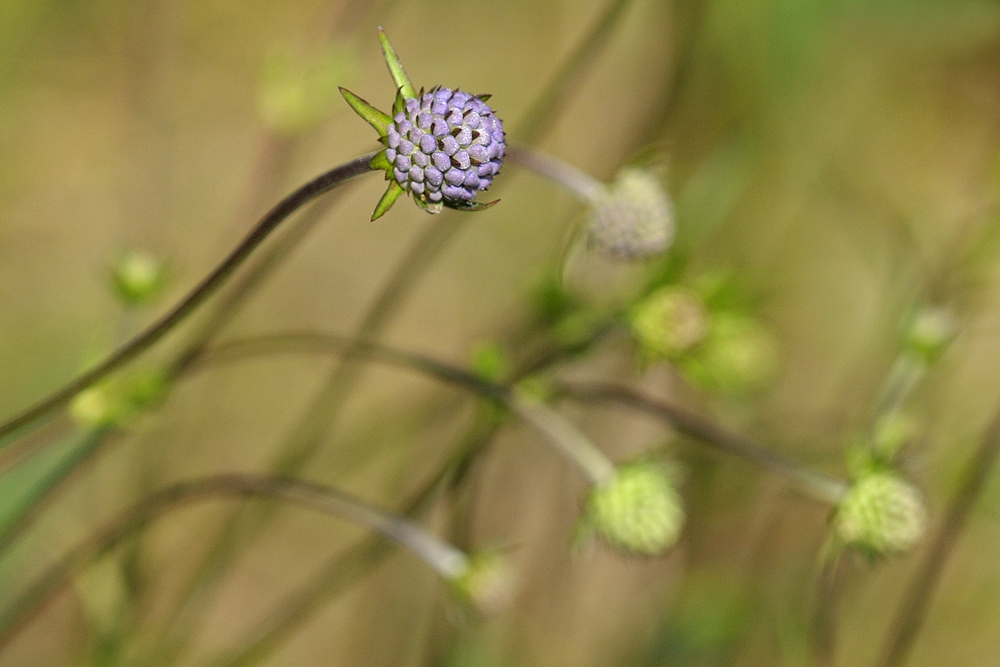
298,86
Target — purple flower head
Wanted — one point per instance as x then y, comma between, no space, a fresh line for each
443,146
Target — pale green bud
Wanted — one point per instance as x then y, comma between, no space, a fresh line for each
638,510
110,403
633,218
881,514
930,333
137,277
100,406
669,323
488,582
738,356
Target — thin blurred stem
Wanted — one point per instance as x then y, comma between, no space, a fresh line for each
152,334
84,446
445,559
306,438
564,436
830,585
816,484
539,117
904,376
584,187
343,570
562,433
916,600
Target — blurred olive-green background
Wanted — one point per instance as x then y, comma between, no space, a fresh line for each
839,156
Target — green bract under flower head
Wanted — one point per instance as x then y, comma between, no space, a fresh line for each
442,146
633,219
638,510
881,514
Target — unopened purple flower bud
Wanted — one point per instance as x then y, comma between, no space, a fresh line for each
446,140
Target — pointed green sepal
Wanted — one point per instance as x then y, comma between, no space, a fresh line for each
396,67
387,200
472,205
377,119
381,163
431,207
485,97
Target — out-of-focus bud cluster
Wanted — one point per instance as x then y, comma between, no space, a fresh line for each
137,277
719,349
488,583
298,88
638,511
109,404
632,218
882,514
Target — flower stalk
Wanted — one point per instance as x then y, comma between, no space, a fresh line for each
208,286
448,561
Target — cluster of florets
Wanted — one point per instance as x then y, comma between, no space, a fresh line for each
445,146
638,510
881,514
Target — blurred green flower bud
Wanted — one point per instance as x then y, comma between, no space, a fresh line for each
489,361
299,89
891,433
638,510
111,403
738,356
633,218
137,277
930,333
488,582
100,406
669,322
881,514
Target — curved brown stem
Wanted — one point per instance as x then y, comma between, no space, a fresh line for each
152,334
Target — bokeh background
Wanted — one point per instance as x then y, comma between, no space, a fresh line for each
837,157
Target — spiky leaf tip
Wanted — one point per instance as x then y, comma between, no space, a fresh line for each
377,119
395,66
387,200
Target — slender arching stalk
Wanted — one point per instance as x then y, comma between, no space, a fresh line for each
448,561
152,334
304,439
818,485
584,187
